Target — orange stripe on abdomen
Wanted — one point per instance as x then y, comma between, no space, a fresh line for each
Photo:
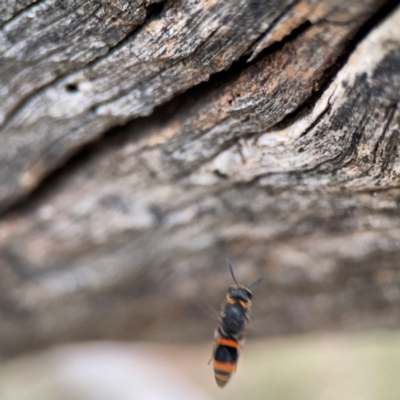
224,367
228,342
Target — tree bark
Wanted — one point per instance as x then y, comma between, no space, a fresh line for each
286,160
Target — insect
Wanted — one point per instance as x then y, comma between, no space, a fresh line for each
230,331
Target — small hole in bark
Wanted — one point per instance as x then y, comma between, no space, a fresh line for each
93,109
157,213
301,149
71,88
155,9
220,175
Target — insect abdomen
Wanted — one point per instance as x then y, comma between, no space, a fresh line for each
225,359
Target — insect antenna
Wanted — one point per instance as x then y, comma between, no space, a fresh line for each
231,269
258,282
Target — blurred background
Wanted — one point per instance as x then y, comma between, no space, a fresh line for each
308,367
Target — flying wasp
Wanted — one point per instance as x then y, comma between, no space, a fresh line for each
230,331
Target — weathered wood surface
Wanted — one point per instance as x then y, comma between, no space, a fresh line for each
288,163
171,52
54,38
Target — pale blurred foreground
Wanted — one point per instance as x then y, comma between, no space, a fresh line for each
350,367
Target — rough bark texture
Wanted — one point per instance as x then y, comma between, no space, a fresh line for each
288,163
